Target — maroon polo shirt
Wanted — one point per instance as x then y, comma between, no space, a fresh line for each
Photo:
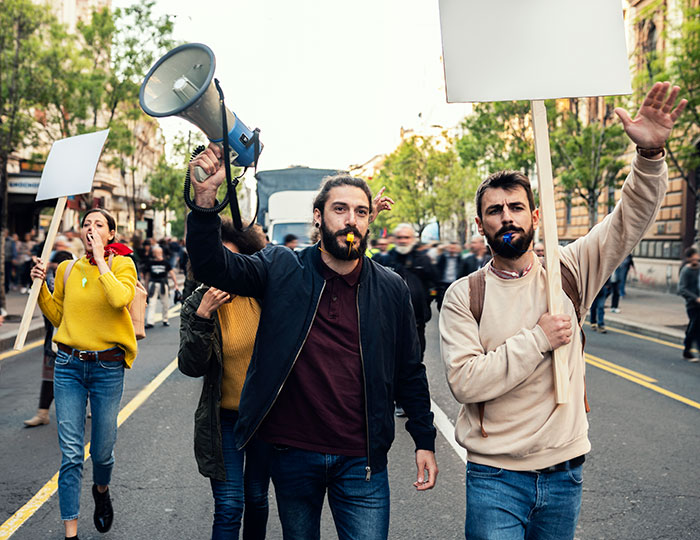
321,406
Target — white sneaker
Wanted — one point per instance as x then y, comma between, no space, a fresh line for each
615,310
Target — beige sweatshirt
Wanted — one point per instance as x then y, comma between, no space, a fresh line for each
505,361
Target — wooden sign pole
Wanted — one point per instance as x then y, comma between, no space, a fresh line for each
36,285
548,221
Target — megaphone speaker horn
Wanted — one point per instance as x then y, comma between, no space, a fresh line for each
181,84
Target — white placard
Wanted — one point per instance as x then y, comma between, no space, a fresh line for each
502,50
70,167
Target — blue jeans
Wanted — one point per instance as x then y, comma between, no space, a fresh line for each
597,315
511,505
250,486
74,380
360,508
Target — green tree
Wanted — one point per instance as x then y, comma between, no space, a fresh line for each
586,156
497,136
22,44
417,175
165,185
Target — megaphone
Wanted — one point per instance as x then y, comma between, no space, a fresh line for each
180,84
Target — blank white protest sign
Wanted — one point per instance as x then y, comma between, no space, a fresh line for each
502,50
70,167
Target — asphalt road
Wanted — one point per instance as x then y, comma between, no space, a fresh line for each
641,481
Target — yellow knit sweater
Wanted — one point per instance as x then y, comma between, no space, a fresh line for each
239,324
94,317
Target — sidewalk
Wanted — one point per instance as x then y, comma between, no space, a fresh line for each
651,313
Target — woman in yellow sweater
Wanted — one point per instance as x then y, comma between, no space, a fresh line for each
96,341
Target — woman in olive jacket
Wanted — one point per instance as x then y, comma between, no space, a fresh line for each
217,333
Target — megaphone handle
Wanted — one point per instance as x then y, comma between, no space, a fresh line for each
199,173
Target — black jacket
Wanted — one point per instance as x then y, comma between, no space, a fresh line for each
417,270
289,285
472,263
201,355
688,286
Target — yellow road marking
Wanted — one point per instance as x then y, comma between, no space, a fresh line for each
623,369
645,382
11,353
18,519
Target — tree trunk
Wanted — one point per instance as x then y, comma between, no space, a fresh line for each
592,210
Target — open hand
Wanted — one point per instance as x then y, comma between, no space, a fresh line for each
655,118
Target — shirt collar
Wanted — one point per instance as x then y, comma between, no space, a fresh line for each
507,274
351,279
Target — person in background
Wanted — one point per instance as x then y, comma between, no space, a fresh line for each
291,241
416,269
157,274
175,250
597,311
689,289
96,342
217,334
478,257
46,392
10,256
539,249
448,269
626,266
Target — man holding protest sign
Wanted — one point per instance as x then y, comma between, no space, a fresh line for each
525,451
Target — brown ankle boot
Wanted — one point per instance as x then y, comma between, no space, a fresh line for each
41,418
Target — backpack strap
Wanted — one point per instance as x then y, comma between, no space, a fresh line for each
67,272
477,295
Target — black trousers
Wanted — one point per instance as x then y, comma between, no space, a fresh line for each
692,332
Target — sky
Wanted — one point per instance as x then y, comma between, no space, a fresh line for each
330,83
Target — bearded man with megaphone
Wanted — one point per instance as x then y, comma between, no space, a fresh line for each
336,346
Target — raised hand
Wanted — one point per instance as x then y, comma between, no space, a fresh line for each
655,118
379,203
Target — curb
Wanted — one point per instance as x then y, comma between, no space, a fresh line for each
667,334
7,342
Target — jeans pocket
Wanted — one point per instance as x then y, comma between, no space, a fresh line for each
280,448
62,359
482,471
576,475
111,365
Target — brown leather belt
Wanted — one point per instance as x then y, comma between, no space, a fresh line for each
115,354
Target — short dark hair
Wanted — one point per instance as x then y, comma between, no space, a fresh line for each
60,256
111,222
248,241
507,180
330,182
289,238
689,252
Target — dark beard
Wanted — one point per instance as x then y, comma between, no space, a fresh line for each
516,248
330,243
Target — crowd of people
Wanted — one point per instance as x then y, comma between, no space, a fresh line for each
308,355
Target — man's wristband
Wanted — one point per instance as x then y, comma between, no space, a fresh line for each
650,152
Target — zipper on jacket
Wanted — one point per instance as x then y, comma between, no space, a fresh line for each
279,390
368,468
